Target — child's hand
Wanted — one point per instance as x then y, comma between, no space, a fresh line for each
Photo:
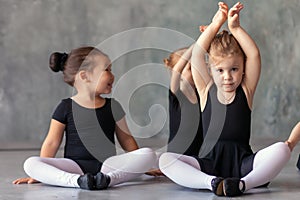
154,172
27,180
221,15
233,16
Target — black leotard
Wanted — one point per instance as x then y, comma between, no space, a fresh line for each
83,124
232,155
185,124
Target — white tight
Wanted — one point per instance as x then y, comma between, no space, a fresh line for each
186,171
65,172
267,164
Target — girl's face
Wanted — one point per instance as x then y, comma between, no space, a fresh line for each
227,72
101,77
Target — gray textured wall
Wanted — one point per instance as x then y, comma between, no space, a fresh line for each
31,29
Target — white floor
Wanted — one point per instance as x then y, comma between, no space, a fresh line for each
285,186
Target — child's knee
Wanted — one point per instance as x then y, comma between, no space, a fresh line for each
30,163
145,150
162,160
166,159
147,155
282,149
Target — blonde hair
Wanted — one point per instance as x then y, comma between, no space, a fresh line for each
224,44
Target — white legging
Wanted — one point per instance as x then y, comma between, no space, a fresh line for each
65,172
186,171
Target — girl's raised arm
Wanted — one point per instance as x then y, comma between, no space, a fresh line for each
178,68
253,60
200,72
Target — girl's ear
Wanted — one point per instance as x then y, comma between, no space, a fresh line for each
83,76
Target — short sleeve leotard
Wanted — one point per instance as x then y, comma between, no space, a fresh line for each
75,116
232,155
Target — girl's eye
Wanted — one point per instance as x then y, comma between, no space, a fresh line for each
220,70
234,69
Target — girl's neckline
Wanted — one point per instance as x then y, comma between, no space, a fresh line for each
90,108
228,101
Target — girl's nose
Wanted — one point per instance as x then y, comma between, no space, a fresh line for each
227,76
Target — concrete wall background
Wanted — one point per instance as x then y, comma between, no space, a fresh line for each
31,29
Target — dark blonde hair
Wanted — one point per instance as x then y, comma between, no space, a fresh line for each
224,44
70,64
174,57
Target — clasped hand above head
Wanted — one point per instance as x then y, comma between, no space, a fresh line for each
223,14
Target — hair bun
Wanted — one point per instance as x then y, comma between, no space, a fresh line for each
57,61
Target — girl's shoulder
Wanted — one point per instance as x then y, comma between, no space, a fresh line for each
66,101
116,108
111,103
62,110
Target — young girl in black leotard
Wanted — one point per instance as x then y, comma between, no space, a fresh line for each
185,124
226,83
90,123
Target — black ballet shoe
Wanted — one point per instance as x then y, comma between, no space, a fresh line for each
86,181
298,163
231,187
101,181
217,186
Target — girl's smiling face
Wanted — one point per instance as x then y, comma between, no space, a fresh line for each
101,77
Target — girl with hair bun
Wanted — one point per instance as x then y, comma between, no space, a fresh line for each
88,70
